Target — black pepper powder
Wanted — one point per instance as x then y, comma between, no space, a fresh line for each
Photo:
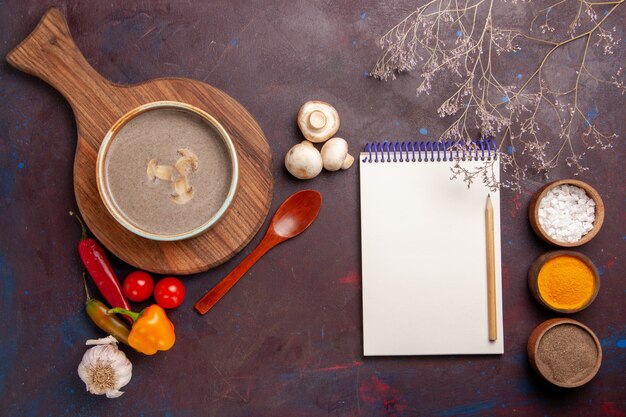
567,353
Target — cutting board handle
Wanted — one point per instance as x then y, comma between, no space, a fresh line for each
50,53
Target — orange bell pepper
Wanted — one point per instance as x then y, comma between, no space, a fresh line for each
152,330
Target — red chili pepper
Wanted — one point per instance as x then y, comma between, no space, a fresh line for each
98,266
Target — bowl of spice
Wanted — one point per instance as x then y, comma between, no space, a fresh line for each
564,281
565,352
566,213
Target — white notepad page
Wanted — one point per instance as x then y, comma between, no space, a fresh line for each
424,260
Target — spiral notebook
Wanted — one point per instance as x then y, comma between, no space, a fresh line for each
424,262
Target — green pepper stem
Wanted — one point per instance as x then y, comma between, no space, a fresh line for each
82,225
134,316
86,289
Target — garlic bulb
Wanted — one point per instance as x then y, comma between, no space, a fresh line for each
104,368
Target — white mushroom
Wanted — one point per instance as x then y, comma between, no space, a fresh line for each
187,163
162,172
150,170
335,155
303,161
318,121
183,192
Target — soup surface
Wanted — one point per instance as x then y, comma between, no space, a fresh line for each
150,204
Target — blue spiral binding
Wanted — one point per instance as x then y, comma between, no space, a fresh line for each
424,151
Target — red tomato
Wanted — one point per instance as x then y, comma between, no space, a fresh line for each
138,286
169,292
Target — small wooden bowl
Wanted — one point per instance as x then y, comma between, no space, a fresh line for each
533,212
533,278
533,345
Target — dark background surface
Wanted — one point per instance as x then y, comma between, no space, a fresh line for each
287,340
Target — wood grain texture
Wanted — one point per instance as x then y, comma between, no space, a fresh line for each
50,54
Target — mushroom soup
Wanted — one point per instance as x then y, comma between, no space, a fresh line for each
168,171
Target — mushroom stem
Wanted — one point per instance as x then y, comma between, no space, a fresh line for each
347,163
317,120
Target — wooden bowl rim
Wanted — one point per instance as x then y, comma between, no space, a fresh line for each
155,106
538,333
591,192
533,278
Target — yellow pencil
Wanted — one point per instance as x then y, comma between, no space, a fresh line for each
491,271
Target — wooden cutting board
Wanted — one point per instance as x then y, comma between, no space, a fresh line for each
50,53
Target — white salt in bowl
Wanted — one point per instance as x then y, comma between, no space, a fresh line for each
533,212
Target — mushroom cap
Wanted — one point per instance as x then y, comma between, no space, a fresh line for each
303,161
334,153
318,121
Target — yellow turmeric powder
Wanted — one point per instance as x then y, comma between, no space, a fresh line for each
566,282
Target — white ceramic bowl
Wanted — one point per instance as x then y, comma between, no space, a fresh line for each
105,192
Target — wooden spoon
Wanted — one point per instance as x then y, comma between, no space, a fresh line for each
292,218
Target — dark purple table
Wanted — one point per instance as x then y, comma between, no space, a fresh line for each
287,341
